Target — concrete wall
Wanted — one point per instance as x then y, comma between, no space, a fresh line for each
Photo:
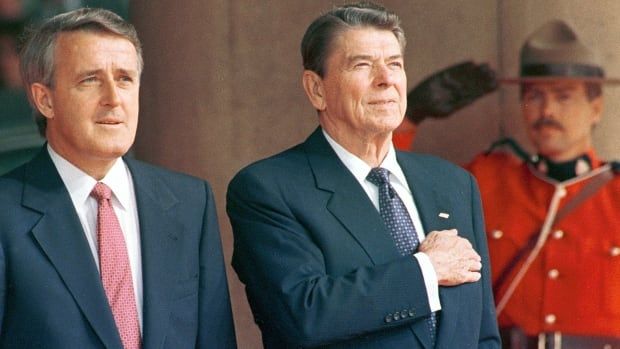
221,87
598,26
442,33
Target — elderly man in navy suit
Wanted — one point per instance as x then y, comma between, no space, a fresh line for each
97,250
341,241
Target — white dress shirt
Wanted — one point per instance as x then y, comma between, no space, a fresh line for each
80,185
360,170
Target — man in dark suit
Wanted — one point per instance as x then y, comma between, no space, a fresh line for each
97,250
341,241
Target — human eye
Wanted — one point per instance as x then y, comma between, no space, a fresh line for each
532,96
89,80
125,79
564,96
396,65
361,64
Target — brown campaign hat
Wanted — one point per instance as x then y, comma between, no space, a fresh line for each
554,52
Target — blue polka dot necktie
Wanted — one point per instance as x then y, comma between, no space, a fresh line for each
398,221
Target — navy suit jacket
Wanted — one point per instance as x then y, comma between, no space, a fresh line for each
321,269
51,295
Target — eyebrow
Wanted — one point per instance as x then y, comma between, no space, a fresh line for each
370,58
563,89
130,72
559,89
88,72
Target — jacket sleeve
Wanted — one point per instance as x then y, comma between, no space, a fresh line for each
215,323
281,261
489,333
3,286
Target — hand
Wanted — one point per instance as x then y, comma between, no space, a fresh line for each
449,90
453,257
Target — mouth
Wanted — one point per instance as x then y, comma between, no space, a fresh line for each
382,102
541,128
109,122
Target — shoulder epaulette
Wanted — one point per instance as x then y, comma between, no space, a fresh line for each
515,148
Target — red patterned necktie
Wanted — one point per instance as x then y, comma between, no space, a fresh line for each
115,269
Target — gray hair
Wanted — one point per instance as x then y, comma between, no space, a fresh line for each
316,43
37,54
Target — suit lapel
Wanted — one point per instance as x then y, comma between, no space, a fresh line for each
60,235
349,202
432,206
435,211
159,234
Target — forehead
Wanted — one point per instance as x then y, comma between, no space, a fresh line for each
89,49
365,40
558,86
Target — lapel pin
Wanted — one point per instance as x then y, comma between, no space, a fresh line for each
444,215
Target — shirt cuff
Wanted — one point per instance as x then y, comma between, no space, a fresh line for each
430,280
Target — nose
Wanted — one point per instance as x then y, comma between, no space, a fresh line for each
549,107
384,76
110,94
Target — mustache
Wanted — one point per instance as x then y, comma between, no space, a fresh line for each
546,122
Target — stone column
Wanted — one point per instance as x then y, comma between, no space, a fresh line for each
221,86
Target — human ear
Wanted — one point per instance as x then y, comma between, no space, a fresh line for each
42,98
313,85
597,109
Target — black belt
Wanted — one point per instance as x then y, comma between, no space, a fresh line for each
513,338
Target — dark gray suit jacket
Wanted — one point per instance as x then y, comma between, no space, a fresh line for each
321,269
51,295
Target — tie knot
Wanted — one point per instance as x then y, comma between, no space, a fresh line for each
378,176
101,192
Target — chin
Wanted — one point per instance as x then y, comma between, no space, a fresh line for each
383,128
390,124
114,151
548,150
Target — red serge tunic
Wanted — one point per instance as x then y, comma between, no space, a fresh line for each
573,285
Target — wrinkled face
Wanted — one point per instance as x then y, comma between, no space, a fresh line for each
364,90
92,107
559,118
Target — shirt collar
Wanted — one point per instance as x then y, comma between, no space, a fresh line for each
360,169
80,184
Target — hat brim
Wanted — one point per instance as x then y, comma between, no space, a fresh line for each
531,79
